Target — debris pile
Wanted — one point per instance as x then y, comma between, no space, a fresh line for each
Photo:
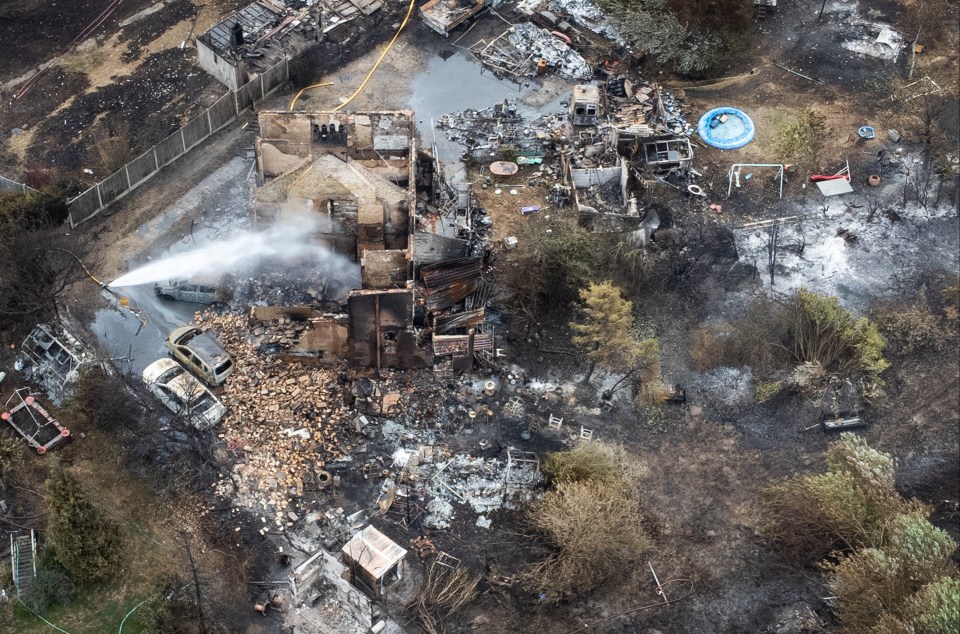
674,118
525,49
480,483
588,15
565,61
502,125
284,423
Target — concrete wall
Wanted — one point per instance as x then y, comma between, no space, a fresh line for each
226,72
383,269
586,177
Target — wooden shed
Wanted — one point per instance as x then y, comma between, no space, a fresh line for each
375,561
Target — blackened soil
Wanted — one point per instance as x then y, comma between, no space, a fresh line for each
33,31
154,101
144,31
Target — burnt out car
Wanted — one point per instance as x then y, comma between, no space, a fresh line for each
186,291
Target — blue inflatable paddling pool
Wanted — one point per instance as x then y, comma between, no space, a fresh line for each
734,131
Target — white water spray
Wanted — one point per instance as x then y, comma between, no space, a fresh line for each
282,243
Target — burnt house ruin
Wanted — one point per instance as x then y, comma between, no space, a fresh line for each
350,180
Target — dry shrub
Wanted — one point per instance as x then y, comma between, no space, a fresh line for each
444,592
710,347
749,342
949,297
935,20
112,146
651,393
799,139
912,329
103,401
648,388
808,377
874,583
593,531
591,461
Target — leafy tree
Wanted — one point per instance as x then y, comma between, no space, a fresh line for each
606,331
80,535
36,259
554,260
605,334
651,26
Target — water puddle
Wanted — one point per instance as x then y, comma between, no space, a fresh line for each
456,82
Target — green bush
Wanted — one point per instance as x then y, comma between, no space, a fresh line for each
765,390
935,609
51,588
555,258
20,212
890,569
170,609
848,507
821,331
11,458
874,582
6,587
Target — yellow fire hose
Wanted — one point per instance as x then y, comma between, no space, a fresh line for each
372,70
326,83
123,301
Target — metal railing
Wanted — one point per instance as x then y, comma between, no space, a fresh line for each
147,165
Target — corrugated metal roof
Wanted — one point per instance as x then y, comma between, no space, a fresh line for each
466,319
442,274
430,248
447,296
373,551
